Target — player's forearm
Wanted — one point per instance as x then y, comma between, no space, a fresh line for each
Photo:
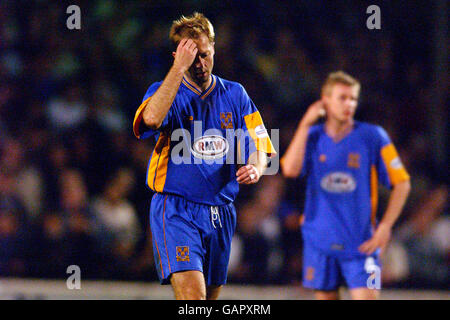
259,160
397,200
158,106
292,162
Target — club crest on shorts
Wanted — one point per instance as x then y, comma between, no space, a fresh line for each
309,273
183,253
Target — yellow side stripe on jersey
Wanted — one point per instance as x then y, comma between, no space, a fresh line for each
396,171
257,131
157,172
138,118
373,194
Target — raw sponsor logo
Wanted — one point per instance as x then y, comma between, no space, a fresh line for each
338,182
210,147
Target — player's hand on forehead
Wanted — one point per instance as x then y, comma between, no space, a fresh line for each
185,54
187,43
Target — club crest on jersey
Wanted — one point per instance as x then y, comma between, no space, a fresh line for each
338,182
183,253
210,147
226,120
353,160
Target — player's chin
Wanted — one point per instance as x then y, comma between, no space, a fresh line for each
203,77
347,116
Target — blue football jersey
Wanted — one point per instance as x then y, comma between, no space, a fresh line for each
342,185
203,138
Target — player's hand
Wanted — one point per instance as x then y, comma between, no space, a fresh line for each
185,54
380,239
247,175
314,112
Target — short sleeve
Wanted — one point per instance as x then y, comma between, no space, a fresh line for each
390,169
311,144
140,130
253,125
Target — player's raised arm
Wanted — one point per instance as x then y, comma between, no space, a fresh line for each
292,161
158,106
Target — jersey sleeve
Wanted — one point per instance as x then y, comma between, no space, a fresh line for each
253,125
311,144
389,167
140,130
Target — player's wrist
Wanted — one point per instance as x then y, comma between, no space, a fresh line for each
385,225
255,171
179,68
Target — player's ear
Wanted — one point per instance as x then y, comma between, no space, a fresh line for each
325,100
173,54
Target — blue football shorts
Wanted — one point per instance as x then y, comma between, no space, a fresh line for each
191,236
327,272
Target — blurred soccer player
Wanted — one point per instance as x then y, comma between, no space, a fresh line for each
344,161
192,216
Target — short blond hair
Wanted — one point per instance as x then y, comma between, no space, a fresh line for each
339,77
191,27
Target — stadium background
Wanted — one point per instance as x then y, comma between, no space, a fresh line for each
72,174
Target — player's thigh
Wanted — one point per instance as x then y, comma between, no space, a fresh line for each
364,294
177,242
220,230
320,271
362,275
188,285
213,291
326,295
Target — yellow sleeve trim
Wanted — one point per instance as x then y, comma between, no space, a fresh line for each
396,171
138,118
259,133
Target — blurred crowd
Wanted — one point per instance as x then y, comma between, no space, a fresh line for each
72,180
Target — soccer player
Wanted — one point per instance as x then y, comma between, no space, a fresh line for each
192,216
344,160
